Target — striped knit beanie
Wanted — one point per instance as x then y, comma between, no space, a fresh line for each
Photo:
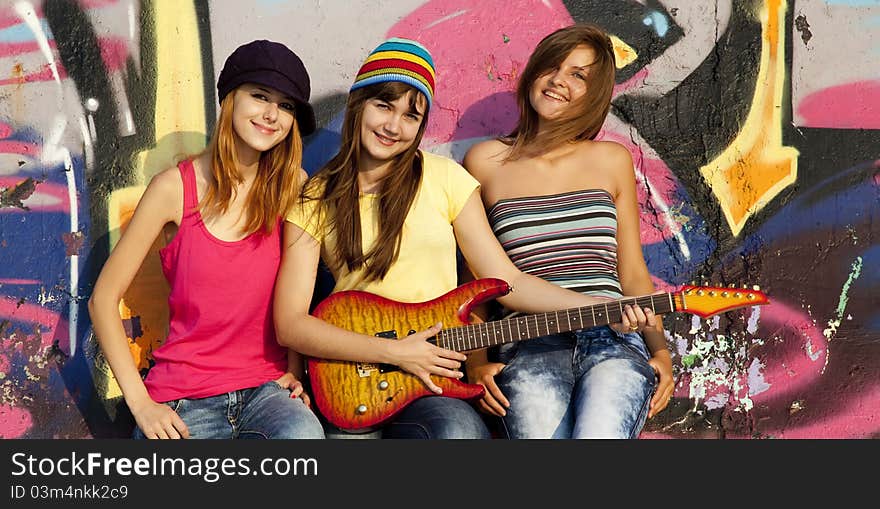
401,60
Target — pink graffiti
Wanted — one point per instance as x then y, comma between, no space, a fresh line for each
791,374
54,327
19,147
635,81
795,351
17,421
858,419
114,54
91,4
482,85
8,17
45,74
48,197
19,282
850,106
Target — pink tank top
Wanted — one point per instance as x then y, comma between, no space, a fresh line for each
221,336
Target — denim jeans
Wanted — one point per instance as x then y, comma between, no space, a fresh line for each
429,417
594,383
437,417
266,411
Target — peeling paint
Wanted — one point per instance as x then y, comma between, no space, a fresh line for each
72,242
757,383
834,323
811,352
754,316
802,26
14,196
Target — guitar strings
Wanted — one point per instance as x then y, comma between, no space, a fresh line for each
482,335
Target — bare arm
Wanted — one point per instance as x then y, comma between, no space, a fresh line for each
634,276
307,334
160,204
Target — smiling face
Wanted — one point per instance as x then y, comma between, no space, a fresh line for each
389,127
553,92
261,118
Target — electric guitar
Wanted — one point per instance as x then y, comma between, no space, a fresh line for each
357,396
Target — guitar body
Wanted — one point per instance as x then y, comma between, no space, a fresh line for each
357,396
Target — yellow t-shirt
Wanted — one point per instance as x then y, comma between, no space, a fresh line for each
425,268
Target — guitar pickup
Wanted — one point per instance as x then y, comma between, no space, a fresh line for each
382,368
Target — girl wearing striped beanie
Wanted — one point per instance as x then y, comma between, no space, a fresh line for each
386,218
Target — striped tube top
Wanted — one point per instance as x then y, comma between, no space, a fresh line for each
568,239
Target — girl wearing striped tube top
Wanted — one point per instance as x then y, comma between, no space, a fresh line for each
563,206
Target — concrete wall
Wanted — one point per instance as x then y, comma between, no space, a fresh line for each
754,126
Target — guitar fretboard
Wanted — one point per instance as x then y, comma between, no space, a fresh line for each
508,330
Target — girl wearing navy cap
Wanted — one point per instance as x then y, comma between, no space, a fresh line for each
386,218
221,372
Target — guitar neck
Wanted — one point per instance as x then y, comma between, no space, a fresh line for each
519,328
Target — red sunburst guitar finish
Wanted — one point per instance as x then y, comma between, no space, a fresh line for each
358,396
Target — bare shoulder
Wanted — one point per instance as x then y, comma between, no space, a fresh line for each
484,157
167,182
612,155
611,158
164,193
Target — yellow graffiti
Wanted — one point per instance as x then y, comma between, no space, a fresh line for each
180,131
756,167
624,54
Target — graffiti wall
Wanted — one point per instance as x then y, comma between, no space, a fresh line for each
754,126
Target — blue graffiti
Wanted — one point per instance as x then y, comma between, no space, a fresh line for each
659,21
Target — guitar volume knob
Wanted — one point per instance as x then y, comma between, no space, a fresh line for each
382,385
361,409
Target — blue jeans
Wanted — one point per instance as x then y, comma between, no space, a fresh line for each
429,417
266,411
437,417
594,383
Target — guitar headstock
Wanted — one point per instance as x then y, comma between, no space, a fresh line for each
706,301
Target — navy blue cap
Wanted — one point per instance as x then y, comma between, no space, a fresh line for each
274,65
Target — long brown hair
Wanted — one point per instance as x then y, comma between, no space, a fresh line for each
336,186
275,186
585,117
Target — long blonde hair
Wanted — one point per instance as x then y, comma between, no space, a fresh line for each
275,186
336,186
585,118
